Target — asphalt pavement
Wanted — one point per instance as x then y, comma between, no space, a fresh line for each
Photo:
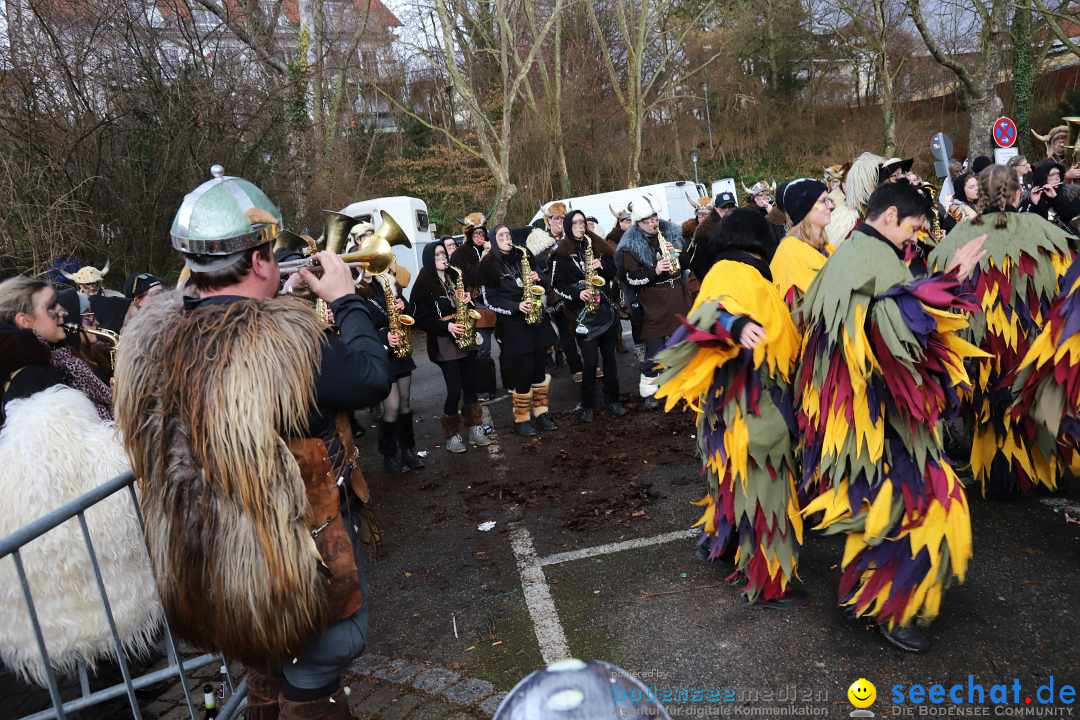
446,592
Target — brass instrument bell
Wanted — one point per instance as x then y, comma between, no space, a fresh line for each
376,251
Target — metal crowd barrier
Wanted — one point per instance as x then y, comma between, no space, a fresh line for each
177,667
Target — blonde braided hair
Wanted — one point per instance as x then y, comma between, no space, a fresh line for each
997,186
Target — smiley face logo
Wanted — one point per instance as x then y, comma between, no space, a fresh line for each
862,693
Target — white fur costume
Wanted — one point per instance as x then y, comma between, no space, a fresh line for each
53,448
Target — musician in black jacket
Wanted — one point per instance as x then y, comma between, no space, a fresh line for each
524,343
397,440
433,300
596,332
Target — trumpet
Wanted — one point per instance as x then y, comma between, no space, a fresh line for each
375,254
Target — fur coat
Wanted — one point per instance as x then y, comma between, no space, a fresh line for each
54,448
207,399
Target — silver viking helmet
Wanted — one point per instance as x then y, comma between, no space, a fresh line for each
620,215
223,216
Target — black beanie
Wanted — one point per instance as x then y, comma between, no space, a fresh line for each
797,197
1041,172
744,229
979,163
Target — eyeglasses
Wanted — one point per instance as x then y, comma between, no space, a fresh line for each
560,218
56,311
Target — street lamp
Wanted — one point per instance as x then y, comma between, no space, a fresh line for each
708,119
694,157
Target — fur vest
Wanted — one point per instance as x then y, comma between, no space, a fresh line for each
634,242
54,448
207,399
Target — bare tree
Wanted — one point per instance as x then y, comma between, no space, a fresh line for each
643,59
979,78
874,27
488,69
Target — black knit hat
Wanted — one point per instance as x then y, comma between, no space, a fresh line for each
745,229
797,197
980,163
1041,172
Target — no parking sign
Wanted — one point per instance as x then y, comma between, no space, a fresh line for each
1004,132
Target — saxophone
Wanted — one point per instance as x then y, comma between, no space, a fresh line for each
463,314
593,281
669,253
111,338
399,323
531,292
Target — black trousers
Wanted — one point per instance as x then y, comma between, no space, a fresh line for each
568,341
592,351
460,378
526,369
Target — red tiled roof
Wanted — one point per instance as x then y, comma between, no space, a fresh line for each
381,16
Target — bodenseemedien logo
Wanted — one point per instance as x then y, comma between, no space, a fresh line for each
862,695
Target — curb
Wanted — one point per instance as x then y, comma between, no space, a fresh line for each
429,689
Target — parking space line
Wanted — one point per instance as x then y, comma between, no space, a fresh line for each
550,635
549,630
616,547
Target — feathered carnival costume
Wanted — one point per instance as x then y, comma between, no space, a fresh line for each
881,361
1014,285
742,400
1047,387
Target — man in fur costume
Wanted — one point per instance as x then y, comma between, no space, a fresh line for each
234,405
647,264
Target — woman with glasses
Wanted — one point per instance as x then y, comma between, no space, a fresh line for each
568,280
805,248
435,301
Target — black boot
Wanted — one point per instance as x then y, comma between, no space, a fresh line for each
388,447
407,442
908,638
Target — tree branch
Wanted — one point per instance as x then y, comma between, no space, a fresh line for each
242,34
1051,20
935,50
449,135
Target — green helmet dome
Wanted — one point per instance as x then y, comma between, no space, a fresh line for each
224,215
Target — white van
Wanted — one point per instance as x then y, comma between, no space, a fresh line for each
408,212
674,202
